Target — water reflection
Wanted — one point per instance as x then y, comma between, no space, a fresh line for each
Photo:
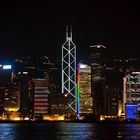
129,131
74,131
7,131
69,131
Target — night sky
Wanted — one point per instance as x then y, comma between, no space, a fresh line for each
38,27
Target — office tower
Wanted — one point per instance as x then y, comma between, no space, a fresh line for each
111,101
98,79
12,97
12,101
41,94
5,80
86,100
131,95
69,85
26,95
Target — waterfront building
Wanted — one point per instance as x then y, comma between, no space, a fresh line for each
98,85
86,100
12,97
41,94
26,95
6,73
131,93
111,101
11,100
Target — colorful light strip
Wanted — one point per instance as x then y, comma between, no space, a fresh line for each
78,92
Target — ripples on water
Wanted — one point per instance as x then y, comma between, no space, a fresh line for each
69,131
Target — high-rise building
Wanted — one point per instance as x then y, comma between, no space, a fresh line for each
5,80
12,98
98,87
86,100
111,101
131,93
41,94
69,85
26,95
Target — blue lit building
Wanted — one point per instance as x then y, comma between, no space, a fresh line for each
131,111
131,95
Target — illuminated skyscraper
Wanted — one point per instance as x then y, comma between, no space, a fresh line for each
41,93
12,98
69,86
98,79
5,80
131,92
86,100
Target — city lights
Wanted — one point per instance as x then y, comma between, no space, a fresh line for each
7,67
82,65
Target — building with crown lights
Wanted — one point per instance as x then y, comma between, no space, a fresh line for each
86,100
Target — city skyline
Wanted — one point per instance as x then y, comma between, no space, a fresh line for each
58,84
38,28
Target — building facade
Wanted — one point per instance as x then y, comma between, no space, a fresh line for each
98,87
86,100
131,93
26,95
41,94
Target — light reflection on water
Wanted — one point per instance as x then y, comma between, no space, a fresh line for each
7,131
69,131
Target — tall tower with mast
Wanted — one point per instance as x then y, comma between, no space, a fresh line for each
69,86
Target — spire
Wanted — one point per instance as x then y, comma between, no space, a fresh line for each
69,32
66,32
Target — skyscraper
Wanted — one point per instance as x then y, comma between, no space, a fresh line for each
131,93
12,101
5,80
98,79
12,96
41,94
26,95
69,85
86,100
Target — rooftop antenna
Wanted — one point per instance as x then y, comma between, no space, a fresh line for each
67,32
71,32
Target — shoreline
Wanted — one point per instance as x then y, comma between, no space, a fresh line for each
71,121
